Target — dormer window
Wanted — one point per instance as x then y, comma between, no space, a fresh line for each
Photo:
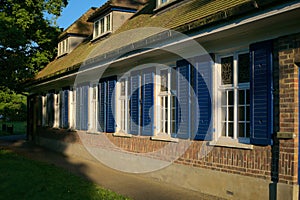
102,26
63,47
163,2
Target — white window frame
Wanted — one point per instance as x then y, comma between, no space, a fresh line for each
93,107
219,88
98,33
163,94
63,47
123,128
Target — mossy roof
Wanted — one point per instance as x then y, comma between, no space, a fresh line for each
81,26
186,14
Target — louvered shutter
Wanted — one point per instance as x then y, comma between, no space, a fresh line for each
135,103
84,111
78,102
202,87
261,88
102,107
184,98
147,103
110,126
66,109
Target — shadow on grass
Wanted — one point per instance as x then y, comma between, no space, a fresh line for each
33,174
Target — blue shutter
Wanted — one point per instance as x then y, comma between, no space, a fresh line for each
183,96
202,86
111,124
84,111
66,109
147,103
51,110
78,94
135,104
261,86
102,107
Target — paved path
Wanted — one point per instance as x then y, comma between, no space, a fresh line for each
130,185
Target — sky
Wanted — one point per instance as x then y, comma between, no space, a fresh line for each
75,9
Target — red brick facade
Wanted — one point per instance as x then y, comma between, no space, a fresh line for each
278,162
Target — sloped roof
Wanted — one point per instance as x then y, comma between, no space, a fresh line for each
80,26
183,17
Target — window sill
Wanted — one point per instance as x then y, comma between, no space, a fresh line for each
101,36
121,134
231,143
165,138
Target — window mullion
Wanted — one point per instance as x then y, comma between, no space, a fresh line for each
169,102
235,83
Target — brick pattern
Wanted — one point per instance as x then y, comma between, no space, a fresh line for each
278,162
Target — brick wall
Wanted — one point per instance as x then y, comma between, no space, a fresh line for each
278,162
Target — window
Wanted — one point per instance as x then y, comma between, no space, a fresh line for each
102,26
167,102
234,95
162,2
63,47
123,105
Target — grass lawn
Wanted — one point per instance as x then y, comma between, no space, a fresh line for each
22,178
18,128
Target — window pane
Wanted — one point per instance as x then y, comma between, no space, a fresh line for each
244,68
241,97
108,23
230,129
227,70
96,28
164,80
248,97
230,113
241,113
230,98
248,113
122,82
241,130
224,130
247,130
102,25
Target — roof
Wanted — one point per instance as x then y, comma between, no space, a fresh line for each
182,17
128,4
81,26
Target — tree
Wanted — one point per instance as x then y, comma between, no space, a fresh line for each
12,105
27,38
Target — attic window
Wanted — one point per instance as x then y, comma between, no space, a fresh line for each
63,47
163,2
102,26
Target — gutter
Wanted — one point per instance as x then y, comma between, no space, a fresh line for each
105,59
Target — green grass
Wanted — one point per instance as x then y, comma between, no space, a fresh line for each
18,128
22,178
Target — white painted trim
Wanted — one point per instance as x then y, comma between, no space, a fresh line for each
207,32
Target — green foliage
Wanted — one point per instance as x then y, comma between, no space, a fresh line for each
22,178
27,38
12,105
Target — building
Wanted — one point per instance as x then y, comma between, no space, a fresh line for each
215,81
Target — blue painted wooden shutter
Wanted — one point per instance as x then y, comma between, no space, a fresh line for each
183,96
102,107
135,103
66,109
147,103
202,86
78,94
84,111
66,114
111,124
261,88
51,107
